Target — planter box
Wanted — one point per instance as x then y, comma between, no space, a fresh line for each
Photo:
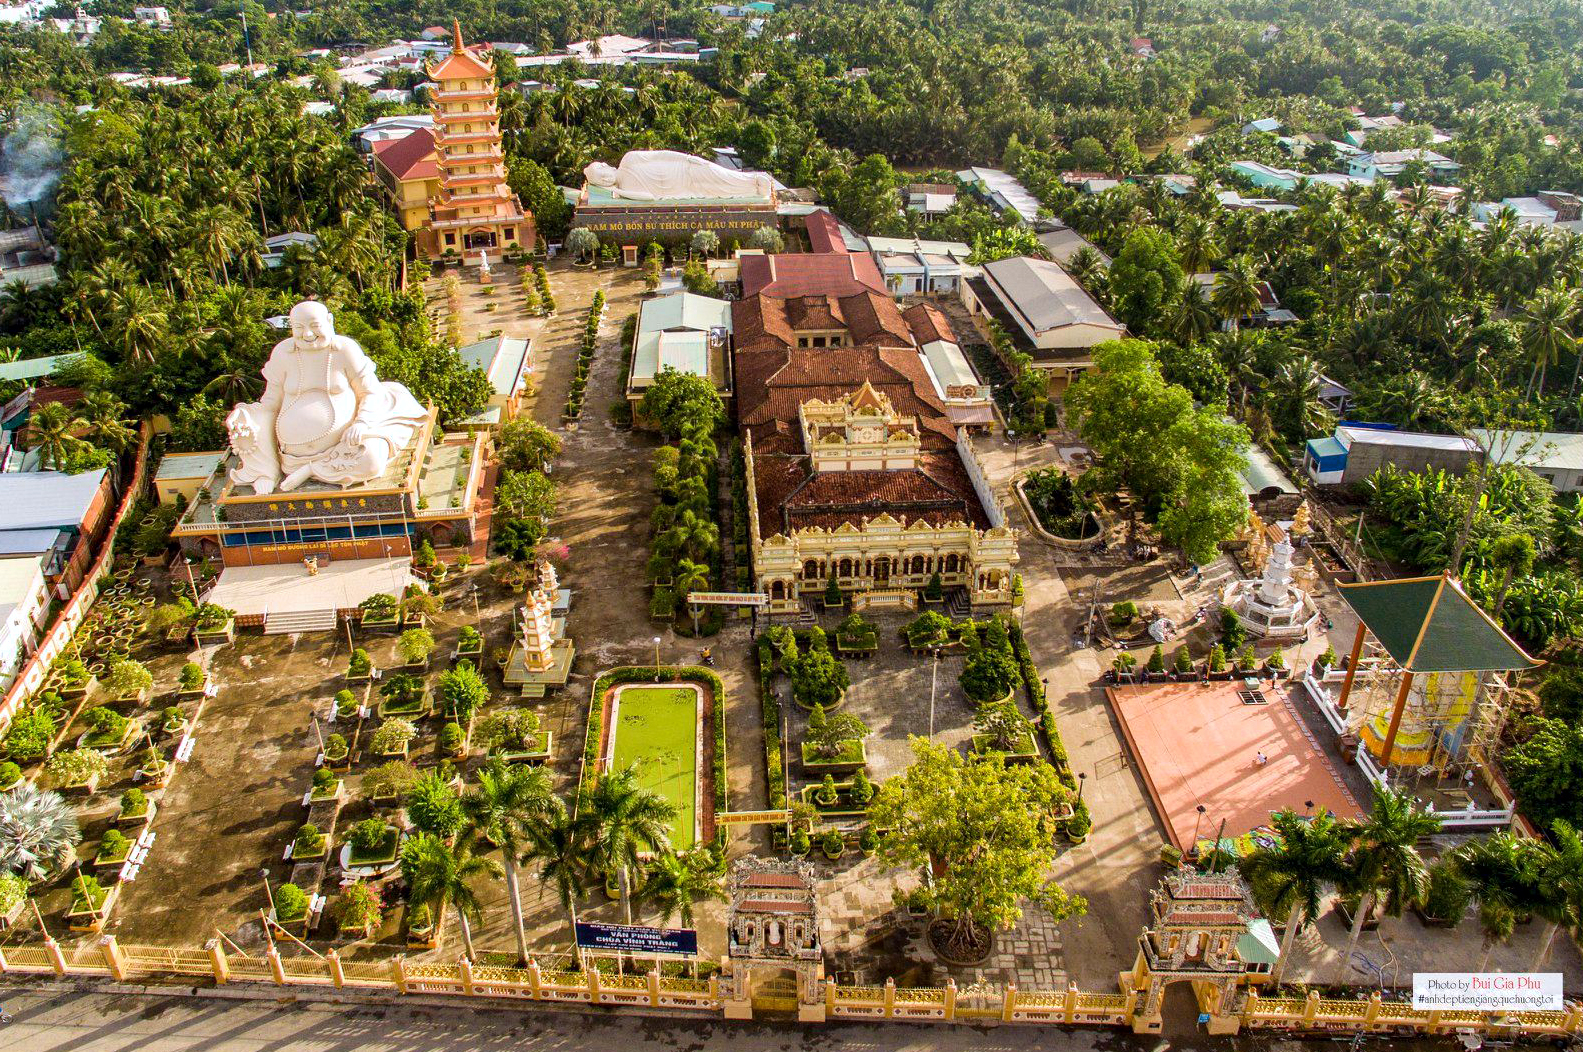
1027,754
860,646
339,764
378,622
313,856
139,820
330,797
359,677
379,856
80,691
843,807
89,740
394,754
475,655
850,760
225,633
85,788
422,938
183,692
539,756
416,710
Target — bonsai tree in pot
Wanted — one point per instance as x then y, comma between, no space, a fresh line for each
109,728
463,692
818,678
345,704
389,780
415,645
335,749
127,678
392,737
433,806
357,911
1184,662
359,666
291,903
191,679
469,642
171,720
1002,726
826,794
403,695
832,844
510,731
134,804
862,790
1217,658
74,768
828,735
325,783
1156,663
798,842
309,843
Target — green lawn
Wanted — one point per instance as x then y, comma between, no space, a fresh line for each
657,729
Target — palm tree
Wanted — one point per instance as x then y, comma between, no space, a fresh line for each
625,821
138,320
439,875
1501,871
51,430
678,882
1197,244
1385,861
38,831
1292,876
690,577
1560,885
508,798
558,841
1546,324
1298,384
693,534
1236,294
104,414
1193,317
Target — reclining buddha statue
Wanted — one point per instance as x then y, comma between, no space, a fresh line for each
325,415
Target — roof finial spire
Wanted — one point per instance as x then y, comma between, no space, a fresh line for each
456,34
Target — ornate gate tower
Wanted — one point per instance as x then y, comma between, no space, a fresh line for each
773,924
1205,929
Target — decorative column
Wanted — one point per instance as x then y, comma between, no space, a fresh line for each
114,957
337,972
221,963
1396,720
276,967
56,958
1352,667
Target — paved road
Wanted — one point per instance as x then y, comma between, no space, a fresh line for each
59,1019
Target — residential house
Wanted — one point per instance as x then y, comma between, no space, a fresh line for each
275,247
930,199
57,517
1003,193
182,475
27,257
1269,313
1357,451
1390,164
1143,47
1548,208
1266,177
1262,126
152,16
685,332
911,266
1063,244
505,360
1555,456
24,611
1045,311
409,173
388,129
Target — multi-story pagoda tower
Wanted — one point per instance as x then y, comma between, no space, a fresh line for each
475,209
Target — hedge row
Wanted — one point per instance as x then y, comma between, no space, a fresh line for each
1041,705
585,358
774,769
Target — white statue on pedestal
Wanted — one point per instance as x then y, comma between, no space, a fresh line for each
661,175
325,414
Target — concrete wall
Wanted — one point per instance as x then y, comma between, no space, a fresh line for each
1364,459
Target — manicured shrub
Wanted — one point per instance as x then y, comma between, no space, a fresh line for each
309,841
1123,613
9,774
1217,658
357,909
368,834
291,903
359,665
324,780
1184,661
191,677
392,736
1156,660
433,807
862,789
30,734
451,736
335,747
113,844
133,802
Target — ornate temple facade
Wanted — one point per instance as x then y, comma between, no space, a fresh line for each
854,463
475,209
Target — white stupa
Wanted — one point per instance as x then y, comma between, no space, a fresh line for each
1272,606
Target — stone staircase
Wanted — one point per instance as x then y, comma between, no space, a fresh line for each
299,621
957,605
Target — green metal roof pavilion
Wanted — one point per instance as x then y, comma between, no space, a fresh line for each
1428,624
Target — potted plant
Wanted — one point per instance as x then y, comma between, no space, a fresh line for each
415,645
403,695
326,786
1246,662
934,590
1446,899
513,734
213,624
75,680
191,680
1183,665
469,645
424,558
113,849
834,598
834,742
378,612
89,900
389,781
418,605
127,680
109,730
359,667
1217,660
309,844
136,808
291,905
10,776
826,795
799,843
357,911
1327,661
462,692
13,899
1155,667
171,622
868,841
77,769
420,928
453,740
153,767
345,704
171,721
393,737
1079,825
373,842
832,844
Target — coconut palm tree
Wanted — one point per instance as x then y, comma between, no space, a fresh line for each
1292,877
690,577
1546,325
1502,875
51,431
1560,885
558,843
677,882
625,822
1193,317
499,810
440,875
1512,555
105,414
1385,863
1236,293
37,832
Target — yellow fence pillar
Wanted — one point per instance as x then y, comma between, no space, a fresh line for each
1069,1005
276,967
114,957
654,987
950,1000
1372,1012
398,972
3,966
219,961
1250,1005
56,958
1008,1003
889,1002
337,973
1311,1007
592,976
535,980
464,968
